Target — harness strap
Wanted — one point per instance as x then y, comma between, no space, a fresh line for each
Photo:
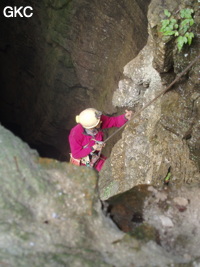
88,161
74,161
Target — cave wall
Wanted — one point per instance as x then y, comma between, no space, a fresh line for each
69,55
164,138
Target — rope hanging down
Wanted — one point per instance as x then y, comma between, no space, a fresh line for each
154,99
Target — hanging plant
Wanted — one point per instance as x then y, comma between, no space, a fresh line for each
179,26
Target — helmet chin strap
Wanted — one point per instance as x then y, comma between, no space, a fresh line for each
98,114
91,132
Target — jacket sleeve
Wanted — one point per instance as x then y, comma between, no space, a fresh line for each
109,122
76,146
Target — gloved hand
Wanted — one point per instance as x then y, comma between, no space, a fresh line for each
128,114
98,146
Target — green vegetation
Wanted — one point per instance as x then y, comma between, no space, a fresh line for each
179,25
167,178
107,190
145,232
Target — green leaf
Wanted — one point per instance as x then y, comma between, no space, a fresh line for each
167,177
171,26
179,45
190,36
176,33
185,22
165,26
169,32
165,22
186,13
179,28
173,21
185,40
180,42
182,13
167,13
191,22
184,26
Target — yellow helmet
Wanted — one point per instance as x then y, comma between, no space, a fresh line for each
89,118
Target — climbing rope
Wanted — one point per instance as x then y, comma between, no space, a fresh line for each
154,99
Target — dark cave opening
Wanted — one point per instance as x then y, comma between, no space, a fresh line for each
21,72
43,82
43,149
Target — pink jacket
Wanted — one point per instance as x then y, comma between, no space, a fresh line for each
81,143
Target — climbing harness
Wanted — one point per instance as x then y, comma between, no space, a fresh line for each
154,99
94,157
90,160
74,161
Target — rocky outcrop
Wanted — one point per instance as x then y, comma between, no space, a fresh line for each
42,205
51,216
66,57
165,216
163,138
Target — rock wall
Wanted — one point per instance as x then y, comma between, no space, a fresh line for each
51,216
163,139
68,56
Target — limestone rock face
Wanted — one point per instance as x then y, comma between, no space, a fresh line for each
51,216
68,56
163,139
42,203
46,208
166,216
